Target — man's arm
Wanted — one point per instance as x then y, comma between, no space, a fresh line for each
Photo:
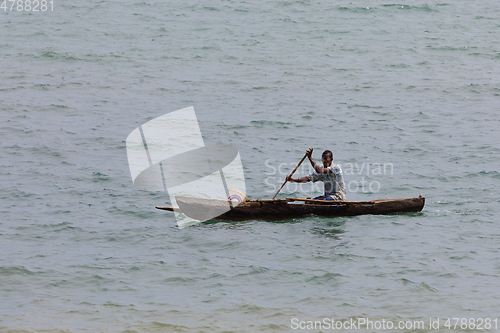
297,180
320,169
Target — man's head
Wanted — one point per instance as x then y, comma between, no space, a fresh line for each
327,158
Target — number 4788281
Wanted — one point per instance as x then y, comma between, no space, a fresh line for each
27,5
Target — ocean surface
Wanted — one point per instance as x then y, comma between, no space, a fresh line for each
406,95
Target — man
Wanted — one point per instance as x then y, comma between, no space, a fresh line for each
330,174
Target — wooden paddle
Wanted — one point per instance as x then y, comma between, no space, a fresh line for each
302,160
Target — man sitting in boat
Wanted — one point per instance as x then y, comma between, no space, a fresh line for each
330,174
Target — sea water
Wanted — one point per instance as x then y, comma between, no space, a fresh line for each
412,87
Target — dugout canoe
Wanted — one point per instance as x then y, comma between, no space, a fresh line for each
282,209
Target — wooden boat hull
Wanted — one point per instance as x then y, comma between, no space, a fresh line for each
282,209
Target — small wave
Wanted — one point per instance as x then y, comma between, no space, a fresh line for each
149,214
57,56
423,8
274,124
42,86
325,278
12,89
448,48
354,9
212,9
399,66
99,177
257,270
483,173
142,3
180,279
15,270
364,106
330,233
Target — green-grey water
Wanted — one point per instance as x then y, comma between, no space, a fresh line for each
410,85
